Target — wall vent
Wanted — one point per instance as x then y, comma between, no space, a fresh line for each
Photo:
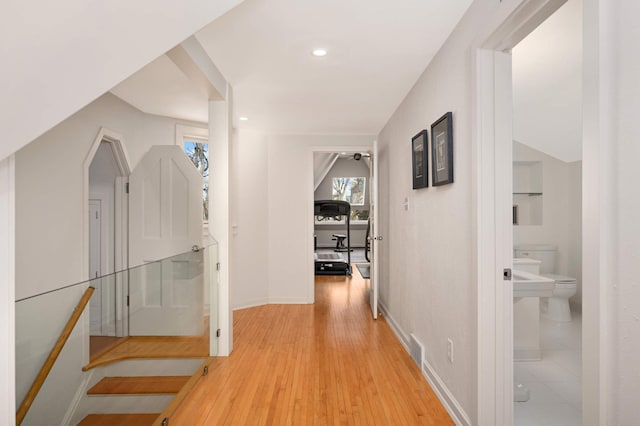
416,349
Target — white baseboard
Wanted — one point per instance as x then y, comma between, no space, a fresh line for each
397,330
270,301
287,301
71,416
251,304
445,396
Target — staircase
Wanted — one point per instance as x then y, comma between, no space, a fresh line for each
133,386
133,392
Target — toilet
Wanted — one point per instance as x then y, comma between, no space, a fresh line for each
556,307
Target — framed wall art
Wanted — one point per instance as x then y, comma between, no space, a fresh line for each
442,150
419,160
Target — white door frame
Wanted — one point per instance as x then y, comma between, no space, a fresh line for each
492,155
374,233
117,144
311,218
7,290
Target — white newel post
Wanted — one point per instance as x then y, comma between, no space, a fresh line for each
219,207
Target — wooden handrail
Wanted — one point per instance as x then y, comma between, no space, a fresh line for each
53,356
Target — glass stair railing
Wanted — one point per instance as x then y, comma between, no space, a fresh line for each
165,309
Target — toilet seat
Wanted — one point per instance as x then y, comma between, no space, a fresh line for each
561,279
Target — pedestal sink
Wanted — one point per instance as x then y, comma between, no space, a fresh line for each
528,288
526,284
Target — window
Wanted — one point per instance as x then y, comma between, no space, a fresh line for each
198,153
195,143
350,189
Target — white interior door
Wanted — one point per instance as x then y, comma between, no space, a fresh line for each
373,234
165,206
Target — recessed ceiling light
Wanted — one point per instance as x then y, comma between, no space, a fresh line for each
319,52
244,118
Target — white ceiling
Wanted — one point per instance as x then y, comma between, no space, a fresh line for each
161,88
547,85
377,51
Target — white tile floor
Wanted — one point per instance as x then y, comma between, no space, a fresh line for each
555,382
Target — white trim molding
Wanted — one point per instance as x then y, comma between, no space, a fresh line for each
395,327
198,133
492,157
7,291
450,403
116,141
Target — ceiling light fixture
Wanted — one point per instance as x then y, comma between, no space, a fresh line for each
319,52
244,118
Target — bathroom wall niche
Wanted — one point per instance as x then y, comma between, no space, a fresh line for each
527,193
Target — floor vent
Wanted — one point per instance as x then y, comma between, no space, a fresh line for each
416,349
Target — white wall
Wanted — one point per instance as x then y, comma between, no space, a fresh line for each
275,181
7,332
427,283
49,189
428,257
623,113
60,58
561,212
250,233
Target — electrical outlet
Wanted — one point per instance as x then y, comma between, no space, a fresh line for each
450,350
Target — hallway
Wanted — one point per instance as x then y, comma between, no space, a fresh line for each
327,363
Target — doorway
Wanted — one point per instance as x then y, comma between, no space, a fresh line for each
106,174
494,159
547,225
347,175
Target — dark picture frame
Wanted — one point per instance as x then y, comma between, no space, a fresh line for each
420,165
442,150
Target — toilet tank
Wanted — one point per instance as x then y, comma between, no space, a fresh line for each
545,253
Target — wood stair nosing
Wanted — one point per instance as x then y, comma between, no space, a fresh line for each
119,419
139,385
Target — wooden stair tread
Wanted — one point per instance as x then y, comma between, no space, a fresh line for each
119,419
145,347
139,385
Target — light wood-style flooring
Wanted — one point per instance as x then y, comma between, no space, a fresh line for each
322,364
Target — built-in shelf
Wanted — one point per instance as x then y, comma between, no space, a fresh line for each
527,193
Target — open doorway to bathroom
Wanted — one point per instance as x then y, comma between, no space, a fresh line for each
547,211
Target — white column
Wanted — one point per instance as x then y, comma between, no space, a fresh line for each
7,292
219,208
598,214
